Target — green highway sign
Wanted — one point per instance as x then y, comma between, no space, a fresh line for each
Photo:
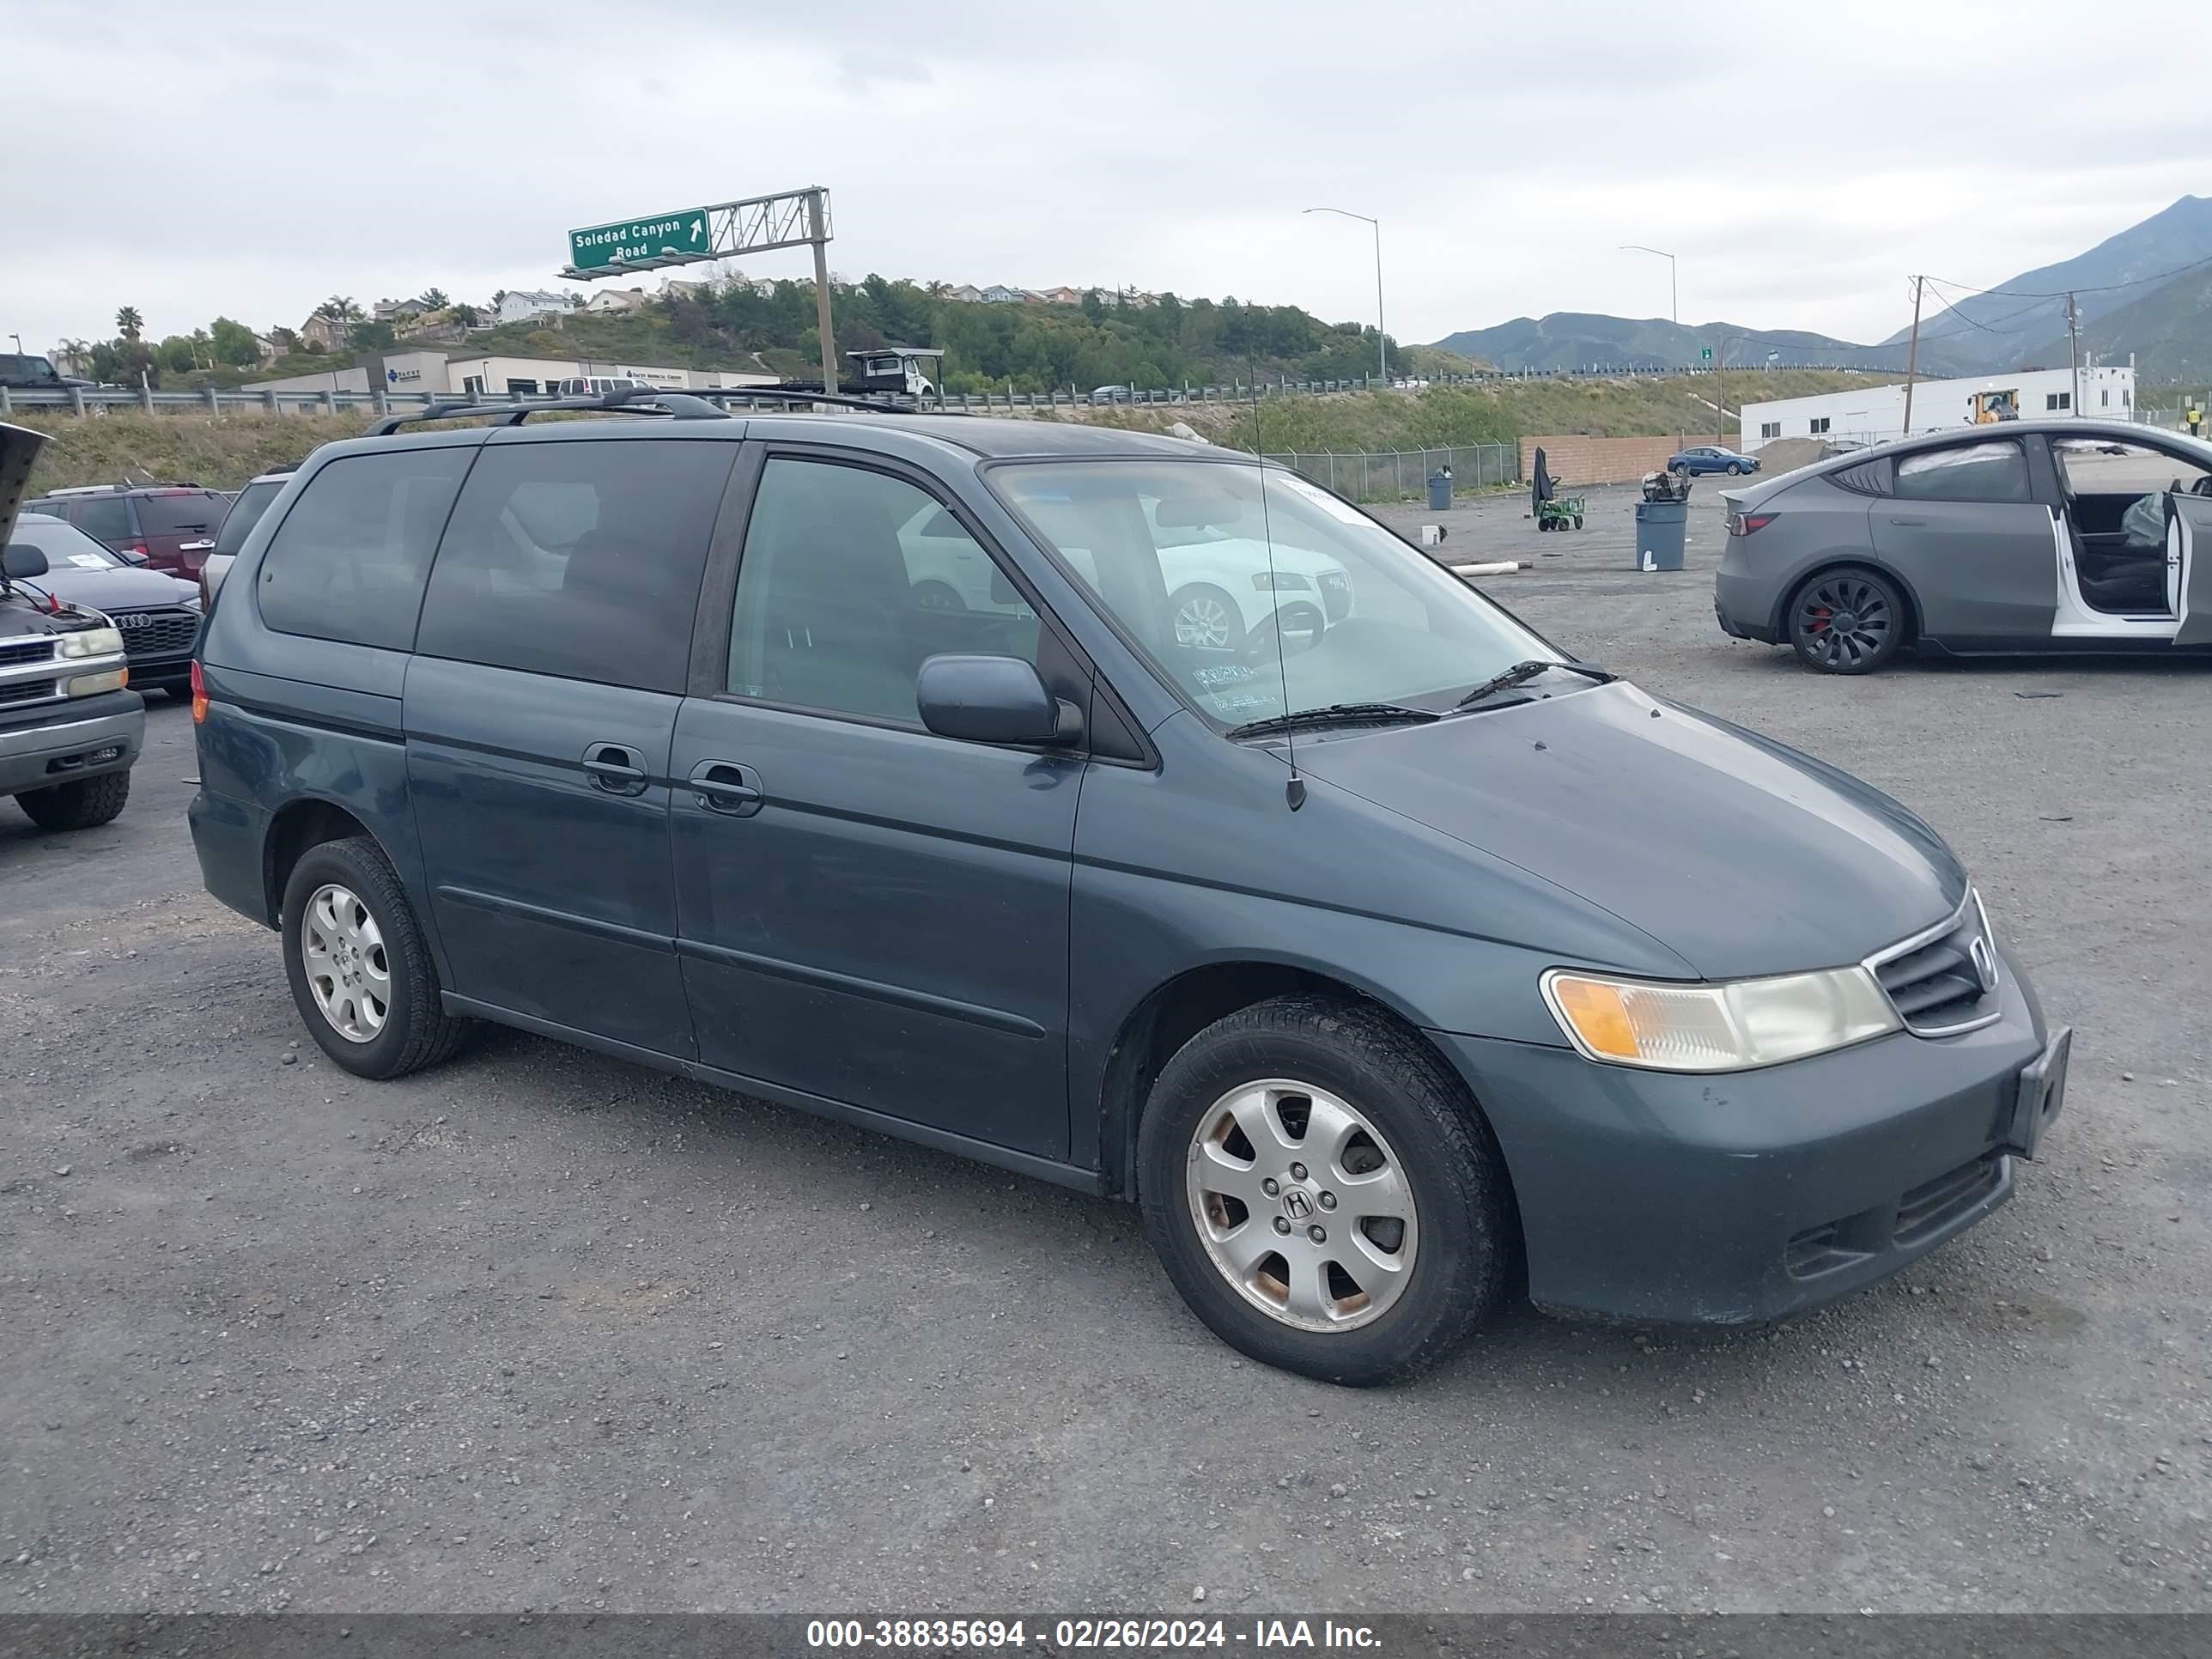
1705,353
672,236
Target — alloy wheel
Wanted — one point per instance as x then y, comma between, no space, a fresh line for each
1301,1205
1845,621
348,971
1204,620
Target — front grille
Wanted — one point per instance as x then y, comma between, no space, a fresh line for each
15,692
160,634
1945,980
13,652
1336,595
1927,1207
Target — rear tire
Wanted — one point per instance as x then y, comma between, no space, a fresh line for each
1851,620
410,1029
1409,1180
84,804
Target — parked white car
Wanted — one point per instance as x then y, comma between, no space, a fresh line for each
1214,594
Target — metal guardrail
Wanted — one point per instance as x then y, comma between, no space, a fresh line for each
83,401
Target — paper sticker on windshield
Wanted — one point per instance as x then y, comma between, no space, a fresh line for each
87,560
1319,498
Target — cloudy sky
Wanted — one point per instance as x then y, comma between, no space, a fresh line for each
248,159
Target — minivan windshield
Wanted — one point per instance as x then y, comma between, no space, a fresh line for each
1253,606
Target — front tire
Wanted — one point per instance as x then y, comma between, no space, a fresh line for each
84,804
360,970
1205,617
1737,470
1322,1192
1851,621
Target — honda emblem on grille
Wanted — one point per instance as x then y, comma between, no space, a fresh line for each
1985,963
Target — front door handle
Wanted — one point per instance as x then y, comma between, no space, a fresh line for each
614,770
727,787
1909,523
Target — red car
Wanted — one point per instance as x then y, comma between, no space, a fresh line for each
170,527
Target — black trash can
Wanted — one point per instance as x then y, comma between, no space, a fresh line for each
1659,529
1439,491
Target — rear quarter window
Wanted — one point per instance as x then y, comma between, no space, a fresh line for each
182,515
580,559
351,559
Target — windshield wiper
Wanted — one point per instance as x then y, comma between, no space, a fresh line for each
1337,713
1528,671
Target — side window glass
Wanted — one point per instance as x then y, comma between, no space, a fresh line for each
106,517
348,563
850,579
581,560
2105,467
1966,472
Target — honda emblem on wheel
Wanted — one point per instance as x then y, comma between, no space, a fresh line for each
1296,1205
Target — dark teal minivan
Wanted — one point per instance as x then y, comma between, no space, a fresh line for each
1117,809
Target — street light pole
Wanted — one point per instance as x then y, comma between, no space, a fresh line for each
1674,295
1381,347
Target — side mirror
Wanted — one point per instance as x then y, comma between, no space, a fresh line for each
130,555
987,700
23,561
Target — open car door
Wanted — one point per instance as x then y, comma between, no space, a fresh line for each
2188,567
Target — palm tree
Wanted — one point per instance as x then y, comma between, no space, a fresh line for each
129,323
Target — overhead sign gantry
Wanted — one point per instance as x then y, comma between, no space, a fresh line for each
652,241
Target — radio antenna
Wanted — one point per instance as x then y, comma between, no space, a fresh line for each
1294,791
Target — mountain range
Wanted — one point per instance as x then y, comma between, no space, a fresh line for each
2146,290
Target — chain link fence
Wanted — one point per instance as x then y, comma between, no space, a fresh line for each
1402,475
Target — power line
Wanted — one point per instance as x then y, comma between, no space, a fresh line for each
2109,288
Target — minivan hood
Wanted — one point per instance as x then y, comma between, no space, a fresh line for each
1739,854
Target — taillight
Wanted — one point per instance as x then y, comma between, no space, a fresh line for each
1743,524
199,694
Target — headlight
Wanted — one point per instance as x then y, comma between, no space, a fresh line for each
190,601
1279,581
92,642
1717,1028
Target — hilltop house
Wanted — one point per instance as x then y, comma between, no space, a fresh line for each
611,300
521,305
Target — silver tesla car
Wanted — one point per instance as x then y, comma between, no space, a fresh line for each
2062,535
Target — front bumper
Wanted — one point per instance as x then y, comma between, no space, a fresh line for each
1723,1200
61,749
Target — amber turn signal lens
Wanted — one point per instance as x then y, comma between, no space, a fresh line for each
1598,1014
199,697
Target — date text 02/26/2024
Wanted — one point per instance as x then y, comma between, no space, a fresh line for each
1049,1635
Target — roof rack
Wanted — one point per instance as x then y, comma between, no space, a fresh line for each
699,405
680,405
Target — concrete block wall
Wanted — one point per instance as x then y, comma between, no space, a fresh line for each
1579,460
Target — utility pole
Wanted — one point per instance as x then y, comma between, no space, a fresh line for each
2074,352
815,229
1912,357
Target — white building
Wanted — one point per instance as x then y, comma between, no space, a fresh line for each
1875,413
443,375
519,305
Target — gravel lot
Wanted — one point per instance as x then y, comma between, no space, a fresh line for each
542,1330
